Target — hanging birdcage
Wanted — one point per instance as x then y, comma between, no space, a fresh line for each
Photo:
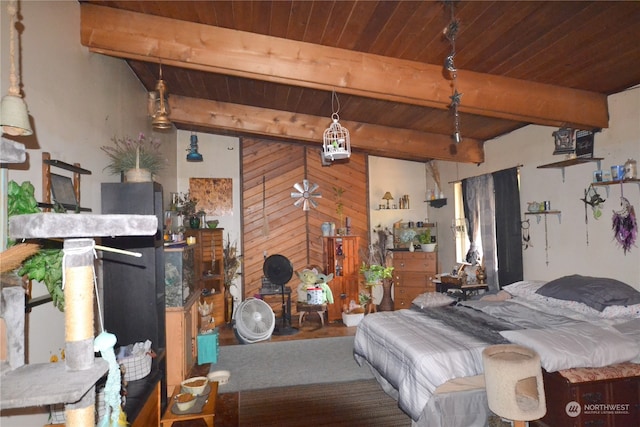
336,141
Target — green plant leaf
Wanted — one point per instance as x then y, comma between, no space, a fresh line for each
46,265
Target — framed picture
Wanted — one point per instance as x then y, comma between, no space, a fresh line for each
564,141
214,195
63,192
584,143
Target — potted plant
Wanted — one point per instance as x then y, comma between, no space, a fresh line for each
135,159
232,263
425,241
375,273
186,207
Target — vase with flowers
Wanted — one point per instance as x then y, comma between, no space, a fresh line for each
186,206
377,270
231,266
137,160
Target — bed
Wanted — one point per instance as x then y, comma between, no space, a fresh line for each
429,357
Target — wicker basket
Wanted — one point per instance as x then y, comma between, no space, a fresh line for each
451,280
136,367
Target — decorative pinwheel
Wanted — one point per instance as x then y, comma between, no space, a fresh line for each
305,195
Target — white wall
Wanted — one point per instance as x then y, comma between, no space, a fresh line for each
221,159
78,101
568,251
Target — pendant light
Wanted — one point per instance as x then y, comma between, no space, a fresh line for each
193,155
14,117
450,32
336,141
159,106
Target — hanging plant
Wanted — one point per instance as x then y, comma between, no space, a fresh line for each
593,199
625,225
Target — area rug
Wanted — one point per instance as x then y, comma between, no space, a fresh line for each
287,363
352,403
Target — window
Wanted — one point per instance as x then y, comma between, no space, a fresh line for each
459,225
489,205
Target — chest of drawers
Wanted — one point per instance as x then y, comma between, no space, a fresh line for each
413,273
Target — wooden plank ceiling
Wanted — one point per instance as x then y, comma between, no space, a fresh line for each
268,68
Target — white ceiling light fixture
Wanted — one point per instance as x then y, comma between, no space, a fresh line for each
305,195
159,106
14,117
336,141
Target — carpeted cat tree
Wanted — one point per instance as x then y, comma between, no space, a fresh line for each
71,383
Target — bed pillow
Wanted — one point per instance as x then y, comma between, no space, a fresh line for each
579,345
432,299
595,292
523,288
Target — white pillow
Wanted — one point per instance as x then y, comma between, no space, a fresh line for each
579,345
523,288
432,299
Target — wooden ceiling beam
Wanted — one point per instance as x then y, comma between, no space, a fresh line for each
372,139
213,49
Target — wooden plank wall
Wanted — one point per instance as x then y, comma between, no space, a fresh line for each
283,228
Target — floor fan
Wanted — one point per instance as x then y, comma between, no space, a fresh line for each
279,270
254,321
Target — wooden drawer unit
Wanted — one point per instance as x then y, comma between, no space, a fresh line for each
413,273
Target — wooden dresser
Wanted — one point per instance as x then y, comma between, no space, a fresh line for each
413,273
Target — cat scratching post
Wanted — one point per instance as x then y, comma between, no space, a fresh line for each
78,322
74,384
513,379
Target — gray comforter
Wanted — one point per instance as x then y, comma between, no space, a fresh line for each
416,351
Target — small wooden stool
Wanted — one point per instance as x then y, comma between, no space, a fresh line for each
304,309
207,414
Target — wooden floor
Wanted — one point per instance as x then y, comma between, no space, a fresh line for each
311,328
227,403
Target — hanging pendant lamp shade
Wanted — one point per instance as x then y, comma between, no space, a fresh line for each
14,117
193,155
336,141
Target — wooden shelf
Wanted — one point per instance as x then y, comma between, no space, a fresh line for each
47,163
543,213
624,181
66,166
570,162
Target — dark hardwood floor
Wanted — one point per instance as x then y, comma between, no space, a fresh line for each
227,403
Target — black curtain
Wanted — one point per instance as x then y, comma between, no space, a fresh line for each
508,227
